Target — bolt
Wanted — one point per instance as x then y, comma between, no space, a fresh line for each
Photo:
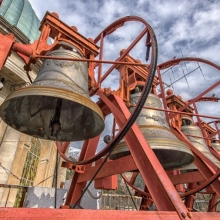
189,215
183,214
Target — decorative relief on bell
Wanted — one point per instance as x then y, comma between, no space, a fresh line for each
72,86
147,131
153,104
17,86
63,63
47,62
157,132
159,119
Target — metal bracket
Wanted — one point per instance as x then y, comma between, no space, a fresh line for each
80,169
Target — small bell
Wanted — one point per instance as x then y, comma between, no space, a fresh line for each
199,143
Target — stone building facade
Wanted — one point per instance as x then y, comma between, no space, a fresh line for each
24,160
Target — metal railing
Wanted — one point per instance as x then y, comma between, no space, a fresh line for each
120,202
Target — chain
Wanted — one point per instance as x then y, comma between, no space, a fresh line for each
9,172
48,177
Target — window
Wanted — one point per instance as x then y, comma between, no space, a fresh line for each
30,169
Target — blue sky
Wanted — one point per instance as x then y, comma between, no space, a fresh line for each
191,28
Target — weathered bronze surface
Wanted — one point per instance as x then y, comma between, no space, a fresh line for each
198,143
170,151
216,146
56,106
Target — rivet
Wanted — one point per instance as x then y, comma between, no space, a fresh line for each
189,215
183,214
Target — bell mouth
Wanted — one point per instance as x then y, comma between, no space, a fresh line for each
171,154
173,159
165,157
34,110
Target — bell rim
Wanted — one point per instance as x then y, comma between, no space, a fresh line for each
54,92
183,146
190,127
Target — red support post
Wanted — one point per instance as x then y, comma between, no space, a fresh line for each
75,191
155,178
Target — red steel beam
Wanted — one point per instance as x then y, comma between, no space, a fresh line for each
81,214
155,178
124,164
189,177
5,47
202,186
204,165
100,58
163,94
75,191
178,112
198,97
125,53
89,60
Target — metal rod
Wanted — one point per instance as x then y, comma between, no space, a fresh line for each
188,135
130,195
184,61
178,112
198,97
217,129
100,58
163,93
213,206
7,196
55,185
166,71
183,77
125,53
200,68
95,61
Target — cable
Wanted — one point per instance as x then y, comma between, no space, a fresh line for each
9,172
134,115
130,195
56,172
95,197
48,177
7,196
214,206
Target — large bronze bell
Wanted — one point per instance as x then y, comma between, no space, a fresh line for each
57,105
199,143
170,151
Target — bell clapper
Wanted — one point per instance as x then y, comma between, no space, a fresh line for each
55,125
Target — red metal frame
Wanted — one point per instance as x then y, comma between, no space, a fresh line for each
81,214
161,187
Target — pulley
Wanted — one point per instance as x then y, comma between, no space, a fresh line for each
57,105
